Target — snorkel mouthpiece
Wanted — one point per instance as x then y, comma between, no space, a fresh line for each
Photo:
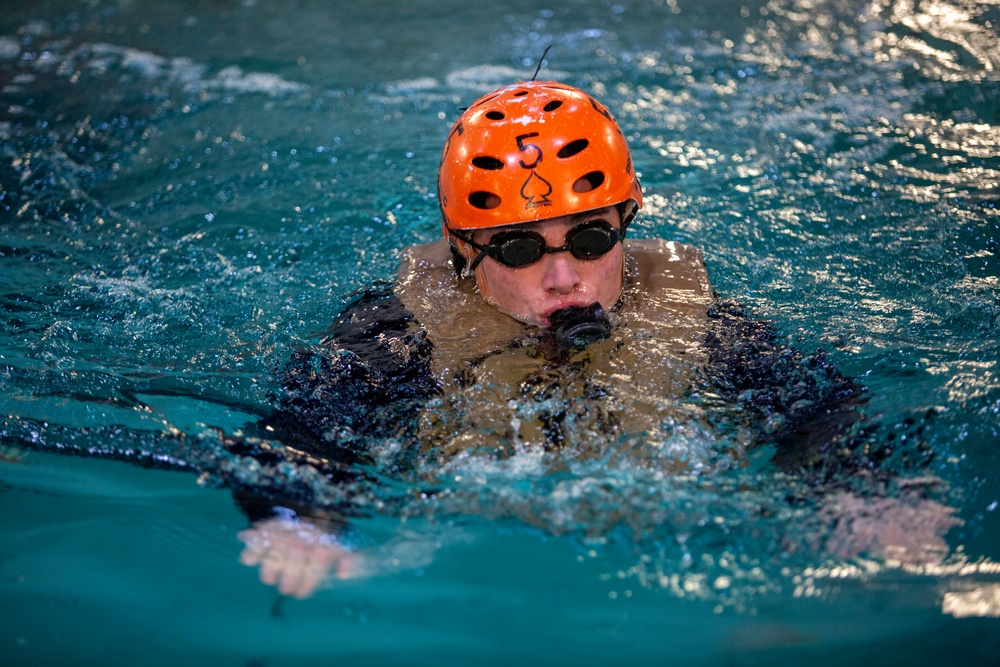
577,327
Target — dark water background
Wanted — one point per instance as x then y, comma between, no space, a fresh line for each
190,190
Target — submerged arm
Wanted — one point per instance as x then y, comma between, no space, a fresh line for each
799,402
814,417
342,402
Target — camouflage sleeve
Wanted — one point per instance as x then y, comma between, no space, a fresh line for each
367,380
362,386
800,403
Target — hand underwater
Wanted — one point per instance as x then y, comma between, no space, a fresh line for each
296,556
909,530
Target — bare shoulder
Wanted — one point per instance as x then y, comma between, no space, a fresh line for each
671,266
432,255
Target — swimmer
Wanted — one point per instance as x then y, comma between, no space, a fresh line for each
537,189
535,293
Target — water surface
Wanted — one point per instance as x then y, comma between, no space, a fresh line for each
189,191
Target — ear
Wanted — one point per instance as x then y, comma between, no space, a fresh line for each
462,255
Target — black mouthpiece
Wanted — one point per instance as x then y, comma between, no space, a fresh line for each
578,326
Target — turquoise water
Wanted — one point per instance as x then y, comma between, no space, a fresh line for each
192,190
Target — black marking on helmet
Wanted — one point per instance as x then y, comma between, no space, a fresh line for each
600,108
528,148
535,191
458,129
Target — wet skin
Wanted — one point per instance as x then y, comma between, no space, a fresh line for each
558,280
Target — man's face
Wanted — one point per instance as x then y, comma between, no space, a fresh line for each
557,280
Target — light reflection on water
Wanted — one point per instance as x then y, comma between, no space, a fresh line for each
181,213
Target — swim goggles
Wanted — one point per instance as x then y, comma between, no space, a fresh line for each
517,248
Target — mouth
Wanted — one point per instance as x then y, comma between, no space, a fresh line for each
574,303
578,326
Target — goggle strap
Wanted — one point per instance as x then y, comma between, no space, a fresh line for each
478,259
627,212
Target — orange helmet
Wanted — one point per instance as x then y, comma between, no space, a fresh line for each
532,151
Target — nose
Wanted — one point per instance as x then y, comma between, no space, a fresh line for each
559,273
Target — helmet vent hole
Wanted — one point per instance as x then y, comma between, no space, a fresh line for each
521,93
572,148
495,115
487,162
552,106
484,200
588,182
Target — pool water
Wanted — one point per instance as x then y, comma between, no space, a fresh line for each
190,191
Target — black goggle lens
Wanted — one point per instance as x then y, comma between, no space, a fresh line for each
519,251
592,242
521,248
